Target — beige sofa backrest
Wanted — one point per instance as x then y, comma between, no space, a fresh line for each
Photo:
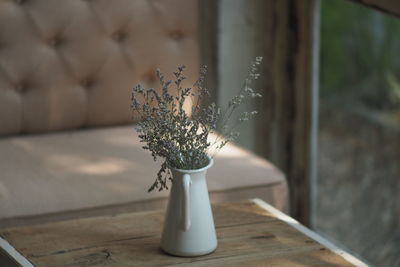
72,64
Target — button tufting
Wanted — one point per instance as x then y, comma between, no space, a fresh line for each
20,2
21,88
87,83
55,42
176,35
118,36
149,77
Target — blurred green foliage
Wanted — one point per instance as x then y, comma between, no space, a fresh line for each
360,56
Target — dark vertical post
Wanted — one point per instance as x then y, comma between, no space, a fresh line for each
208,25
288,136
286,128
304,113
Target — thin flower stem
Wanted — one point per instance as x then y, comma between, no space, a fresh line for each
171,134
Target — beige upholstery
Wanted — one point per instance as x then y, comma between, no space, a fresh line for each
92,168
72,64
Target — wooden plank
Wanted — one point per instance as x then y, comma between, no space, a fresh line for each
303,138
247,234
287,137
300,258
295,224
208,45
285,129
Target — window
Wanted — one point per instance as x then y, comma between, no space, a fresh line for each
358,187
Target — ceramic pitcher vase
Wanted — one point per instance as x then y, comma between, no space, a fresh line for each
189,225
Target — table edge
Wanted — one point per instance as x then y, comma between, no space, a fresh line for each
20,259
311,234
17,257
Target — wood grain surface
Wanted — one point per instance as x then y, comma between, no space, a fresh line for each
247,234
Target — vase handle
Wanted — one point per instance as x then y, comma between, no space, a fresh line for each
185,219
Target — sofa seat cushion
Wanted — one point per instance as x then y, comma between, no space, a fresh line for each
49,173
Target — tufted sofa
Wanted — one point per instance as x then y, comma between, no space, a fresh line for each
67,142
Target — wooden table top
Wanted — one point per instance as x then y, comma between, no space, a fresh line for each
248,235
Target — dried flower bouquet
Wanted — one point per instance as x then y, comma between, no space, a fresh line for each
179,139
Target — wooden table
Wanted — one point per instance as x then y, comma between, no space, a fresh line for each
250,233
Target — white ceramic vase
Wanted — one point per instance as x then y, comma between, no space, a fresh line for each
189,225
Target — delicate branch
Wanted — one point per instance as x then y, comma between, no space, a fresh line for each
168,131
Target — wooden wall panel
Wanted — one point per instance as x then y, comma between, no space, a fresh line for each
288,137
284,127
